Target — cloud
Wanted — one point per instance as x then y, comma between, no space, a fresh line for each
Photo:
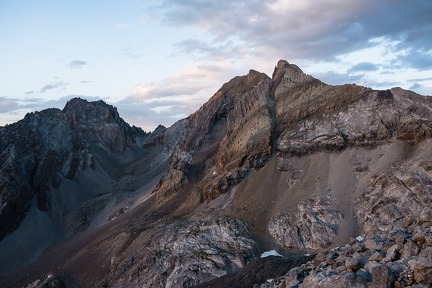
421,89
172,98
415,86
375,84
307,29
165,88
416,59
419,79
165,108
363,66
130,53
199,49
149,115
8,104
77,64
334,78
57,85
194,80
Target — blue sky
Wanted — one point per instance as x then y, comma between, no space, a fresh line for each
159,61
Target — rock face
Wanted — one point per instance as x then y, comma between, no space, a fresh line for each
47,150
313,227
367,122
184,254
399,257
286,163
228,136
100,123
397,198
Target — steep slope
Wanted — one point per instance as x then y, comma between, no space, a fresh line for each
226,138
59,169
286,163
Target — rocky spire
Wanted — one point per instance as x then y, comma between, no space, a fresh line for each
289,73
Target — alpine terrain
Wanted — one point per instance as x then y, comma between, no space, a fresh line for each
337,180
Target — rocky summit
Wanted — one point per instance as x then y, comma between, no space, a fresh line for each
337,180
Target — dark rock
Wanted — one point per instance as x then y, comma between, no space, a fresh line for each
313,227
353,264
381,277
421,268
392,253
409,249
376,257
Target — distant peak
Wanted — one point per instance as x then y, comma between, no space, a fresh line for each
83,111
159,129
79,102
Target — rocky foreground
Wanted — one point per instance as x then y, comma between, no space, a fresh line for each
401,257
338,179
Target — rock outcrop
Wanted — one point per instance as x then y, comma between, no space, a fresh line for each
312,227
368,122
399,257
184,254
101,124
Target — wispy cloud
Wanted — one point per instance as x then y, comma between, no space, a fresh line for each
130,53
8,104
338,78
32,104
77,64
419,79
192,81
57,85
363,66
173,98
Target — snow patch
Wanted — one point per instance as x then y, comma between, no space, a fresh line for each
270,253
359,238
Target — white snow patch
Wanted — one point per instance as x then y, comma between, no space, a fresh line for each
270,253
359,238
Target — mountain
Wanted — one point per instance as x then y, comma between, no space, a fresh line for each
337,179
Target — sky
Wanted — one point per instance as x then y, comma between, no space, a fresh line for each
159,61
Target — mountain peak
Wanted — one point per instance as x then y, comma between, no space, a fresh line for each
81,110
290,72
282,63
